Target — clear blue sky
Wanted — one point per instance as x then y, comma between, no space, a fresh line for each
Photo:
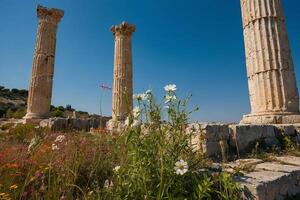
196,44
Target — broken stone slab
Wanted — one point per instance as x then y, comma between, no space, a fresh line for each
209,138
212,132
242,136
57,124
272,180
286,129
292,160
243,165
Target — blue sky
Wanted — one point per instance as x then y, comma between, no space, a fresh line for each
196,44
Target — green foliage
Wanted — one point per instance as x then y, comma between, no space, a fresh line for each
228,189
204,188
9,113
286,142
151,159
7,126
18,114
57,113
21,133
152,152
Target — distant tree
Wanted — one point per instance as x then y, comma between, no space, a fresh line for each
19,113
5,90
14,91
57,113
83,112
69,107
52,108
23,93
1,87
2,112
61,108
9,113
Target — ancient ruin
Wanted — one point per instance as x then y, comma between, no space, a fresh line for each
122,78
273,92
40,91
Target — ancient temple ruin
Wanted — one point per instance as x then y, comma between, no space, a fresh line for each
272,85
122,76
40,90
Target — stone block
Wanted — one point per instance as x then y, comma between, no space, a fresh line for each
287,129
245,135
208,138
212,132
272,180
57,124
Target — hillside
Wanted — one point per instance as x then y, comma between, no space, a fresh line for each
13,105
12,102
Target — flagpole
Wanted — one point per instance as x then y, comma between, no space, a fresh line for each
101,108
103,87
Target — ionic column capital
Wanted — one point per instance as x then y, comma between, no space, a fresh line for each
50,15
123,29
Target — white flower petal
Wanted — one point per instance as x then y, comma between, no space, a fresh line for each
170,88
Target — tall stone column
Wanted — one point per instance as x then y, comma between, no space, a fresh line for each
40,91
271,79
122,80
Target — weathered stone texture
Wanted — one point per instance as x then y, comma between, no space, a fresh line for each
272,180
242,136
58,124
271,79
238,138
209,138
122,80
40,91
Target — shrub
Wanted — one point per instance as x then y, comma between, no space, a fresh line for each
21,133
151,159
57,113
19,113
9,113
159,162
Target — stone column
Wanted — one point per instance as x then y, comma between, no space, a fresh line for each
271,78
122,80
40,91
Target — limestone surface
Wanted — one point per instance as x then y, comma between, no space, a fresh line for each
122,78
272,85
272,180
40,90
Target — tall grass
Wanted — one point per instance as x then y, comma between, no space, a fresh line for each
151,159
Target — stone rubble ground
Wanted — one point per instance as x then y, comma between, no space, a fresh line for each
271,180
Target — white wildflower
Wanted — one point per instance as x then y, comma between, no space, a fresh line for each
170,88
136,112
170,98
181,167
54,147
108,184
116,169
135,123
140,97
60,138
33,142
167,107
148,94
127,121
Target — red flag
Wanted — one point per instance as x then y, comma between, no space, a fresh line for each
105,87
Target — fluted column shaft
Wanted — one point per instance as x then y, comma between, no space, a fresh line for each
122,79
270,69
40,91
